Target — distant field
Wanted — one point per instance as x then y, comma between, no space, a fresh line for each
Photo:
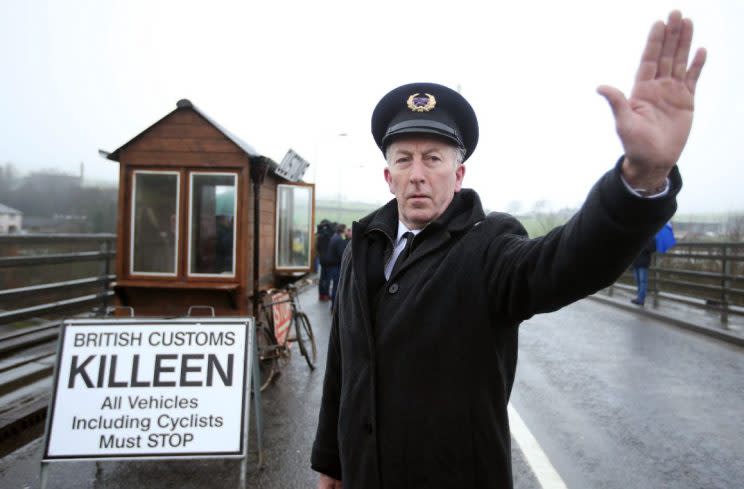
707,217
536,227
346,213
535,224
349,212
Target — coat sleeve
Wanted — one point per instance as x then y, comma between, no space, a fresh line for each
529,276
325,455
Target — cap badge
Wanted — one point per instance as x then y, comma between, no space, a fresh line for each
418,103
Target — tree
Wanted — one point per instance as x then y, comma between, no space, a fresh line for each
8,179
735,228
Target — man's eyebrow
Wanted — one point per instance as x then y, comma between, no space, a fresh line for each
425,151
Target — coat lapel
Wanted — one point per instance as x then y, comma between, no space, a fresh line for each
377,223
464,211
359,250
429,244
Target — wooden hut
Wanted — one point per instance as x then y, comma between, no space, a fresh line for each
186,227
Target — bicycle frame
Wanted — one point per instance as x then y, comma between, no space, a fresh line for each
274,314
276,338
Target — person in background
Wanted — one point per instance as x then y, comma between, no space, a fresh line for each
325,233
336,249
640,271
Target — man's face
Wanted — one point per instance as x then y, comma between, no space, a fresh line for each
423,176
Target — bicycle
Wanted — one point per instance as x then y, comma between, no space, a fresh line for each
279,313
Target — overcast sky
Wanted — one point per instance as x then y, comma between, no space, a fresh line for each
82,75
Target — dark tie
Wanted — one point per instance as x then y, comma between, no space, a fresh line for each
403,254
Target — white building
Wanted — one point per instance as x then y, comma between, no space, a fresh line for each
10,220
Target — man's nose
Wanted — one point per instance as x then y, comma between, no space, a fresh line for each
418,171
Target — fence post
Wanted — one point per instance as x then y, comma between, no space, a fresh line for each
106,270
725,284
655,286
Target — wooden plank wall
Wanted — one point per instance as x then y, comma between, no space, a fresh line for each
267,234
185,141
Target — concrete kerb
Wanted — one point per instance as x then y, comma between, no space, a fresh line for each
720,334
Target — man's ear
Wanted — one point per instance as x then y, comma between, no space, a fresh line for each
459,176
389,180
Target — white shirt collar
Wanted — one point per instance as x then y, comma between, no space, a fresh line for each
403,229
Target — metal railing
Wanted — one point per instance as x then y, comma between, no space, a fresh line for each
42,279
34,251
708,276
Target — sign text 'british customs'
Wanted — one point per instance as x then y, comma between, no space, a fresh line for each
159,388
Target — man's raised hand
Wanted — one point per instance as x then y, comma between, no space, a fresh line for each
654,123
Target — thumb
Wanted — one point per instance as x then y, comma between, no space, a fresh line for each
618,103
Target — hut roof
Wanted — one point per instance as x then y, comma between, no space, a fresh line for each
185,104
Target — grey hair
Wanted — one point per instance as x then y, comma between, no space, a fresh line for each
460,153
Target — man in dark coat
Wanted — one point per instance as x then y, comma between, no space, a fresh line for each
333,259
325,233
423,346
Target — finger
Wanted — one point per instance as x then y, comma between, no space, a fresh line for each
671,42
695,68
652,51
619,105
683,51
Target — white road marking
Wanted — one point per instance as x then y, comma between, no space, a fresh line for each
544,471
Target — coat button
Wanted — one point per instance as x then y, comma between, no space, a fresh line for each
393,288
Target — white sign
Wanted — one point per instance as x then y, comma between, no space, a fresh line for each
158,388
293,166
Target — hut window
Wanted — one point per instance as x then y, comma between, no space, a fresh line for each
213,206
294,226
154,223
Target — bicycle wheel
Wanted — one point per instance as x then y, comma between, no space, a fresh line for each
306,339
267,354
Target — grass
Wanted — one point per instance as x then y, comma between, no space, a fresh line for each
346,213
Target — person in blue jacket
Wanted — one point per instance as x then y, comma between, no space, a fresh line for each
640,271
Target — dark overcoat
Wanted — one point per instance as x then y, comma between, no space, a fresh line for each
420,367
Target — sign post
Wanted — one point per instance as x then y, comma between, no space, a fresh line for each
151,389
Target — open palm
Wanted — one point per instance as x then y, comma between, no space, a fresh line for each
654,123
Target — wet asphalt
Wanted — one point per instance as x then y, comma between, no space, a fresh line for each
615,401
618,400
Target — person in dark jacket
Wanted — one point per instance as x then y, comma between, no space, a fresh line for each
640,271
423,346
335,251
325,233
